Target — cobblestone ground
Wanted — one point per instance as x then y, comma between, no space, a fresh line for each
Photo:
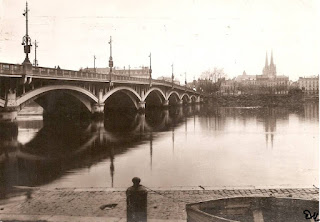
161,204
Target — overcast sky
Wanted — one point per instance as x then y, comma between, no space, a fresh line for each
195,35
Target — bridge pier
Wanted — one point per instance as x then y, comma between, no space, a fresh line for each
166,103
98,110
8,114
10,110
180,102
141,106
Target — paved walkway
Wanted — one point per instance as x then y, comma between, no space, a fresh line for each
84,205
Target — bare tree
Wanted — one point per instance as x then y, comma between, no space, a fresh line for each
213,80
214,75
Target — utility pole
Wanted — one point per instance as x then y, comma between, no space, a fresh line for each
94,63
26,40
185,80
35,53
150,71
129,70
172,76
110,60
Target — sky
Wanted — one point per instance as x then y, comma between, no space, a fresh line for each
194,35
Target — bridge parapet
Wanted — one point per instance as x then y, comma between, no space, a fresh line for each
20,84
7,69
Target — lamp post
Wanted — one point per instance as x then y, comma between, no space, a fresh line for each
129,70
194,82
94,63
35,53
150,71
110,60
172,76
26,40
185,81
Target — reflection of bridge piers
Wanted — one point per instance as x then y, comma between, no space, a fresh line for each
8,139
58,90
61,147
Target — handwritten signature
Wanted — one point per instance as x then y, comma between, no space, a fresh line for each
308,215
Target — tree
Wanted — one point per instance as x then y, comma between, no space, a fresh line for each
213,79
214,75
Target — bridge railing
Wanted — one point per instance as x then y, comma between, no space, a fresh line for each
12,69
17,69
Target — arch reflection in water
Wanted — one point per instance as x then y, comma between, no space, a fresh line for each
61,147
158,144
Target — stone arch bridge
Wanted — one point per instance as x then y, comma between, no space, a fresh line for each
21,84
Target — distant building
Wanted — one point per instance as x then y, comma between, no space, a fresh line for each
245,77
142,72
270,81
274,84
294,84
168,79
269,70
229,87
267,83
192,85
309,85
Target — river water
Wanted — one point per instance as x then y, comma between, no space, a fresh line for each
207,146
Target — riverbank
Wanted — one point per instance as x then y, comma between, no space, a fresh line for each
261,100
85,204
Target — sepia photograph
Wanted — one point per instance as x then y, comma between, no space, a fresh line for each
159,111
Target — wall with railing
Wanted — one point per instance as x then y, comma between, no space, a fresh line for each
16,69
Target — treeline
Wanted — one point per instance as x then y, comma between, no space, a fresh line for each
261,100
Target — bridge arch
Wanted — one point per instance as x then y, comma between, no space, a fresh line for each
193,98
131,96
39,91
185,94
172,92
151,90
85,101
127,90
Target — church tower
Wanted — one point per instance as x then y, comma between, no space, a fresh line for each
265,70
269,70
272,67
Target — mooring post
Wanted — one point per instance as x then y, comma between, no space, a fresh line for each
136,202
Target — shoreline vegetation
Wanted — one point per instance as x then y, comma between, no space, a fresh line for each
261,100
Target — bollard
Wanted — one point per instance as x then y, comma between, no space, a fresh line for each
136,202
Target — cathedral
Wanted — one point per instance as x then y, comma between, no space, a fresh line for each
269,70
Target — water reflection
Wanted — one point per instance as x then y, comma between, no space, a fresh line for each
187,142
59,147
216,118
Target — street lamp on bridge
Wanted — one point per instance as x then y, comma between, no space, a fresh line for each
185,81
129,70
150,71
26,40
110,60
94,63
35,53
172,76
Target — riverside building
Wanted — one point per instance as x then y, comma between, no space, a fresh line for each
309,85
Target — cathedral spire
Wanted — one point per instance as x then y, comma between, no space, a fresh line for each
265,70
267,64
271,59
